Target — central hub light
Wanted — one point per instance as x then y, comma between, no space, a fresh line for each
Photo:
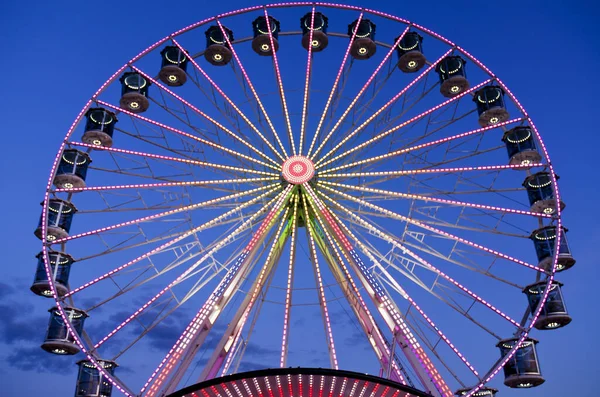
298,170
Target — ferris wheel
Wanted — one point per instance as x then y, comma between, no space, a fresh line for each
347,189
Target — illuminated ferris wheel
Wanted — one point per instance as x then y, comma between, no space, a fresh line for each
295,184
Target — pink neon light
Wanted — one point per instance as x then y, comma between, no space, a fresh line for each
194,326
163,246
280,85
176,159
433,268
230,102
288,291
390,102
171,212
191,136
396,128
436,200
378,337
251,86
307,82
321,290
361,92
421,146
434,170
201,113
333,89
164,184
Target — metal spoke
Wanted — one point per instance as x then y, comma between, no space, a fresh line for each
224,290
177,159
307,81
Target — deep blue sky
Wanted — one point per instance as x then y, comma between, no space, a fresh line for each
56,54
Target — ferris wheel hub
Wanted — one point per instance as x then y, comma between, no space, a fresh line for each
298,170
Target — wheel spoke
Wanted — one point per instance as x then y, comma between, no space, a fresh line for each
171,242
207,117
256,96
360,94
322,300
196,138
177,159
406,296
225,347
431,171
307,81
378,137
402,151
333,89
223,290
394,241
270,189
419,360
412,221
231,103
391,194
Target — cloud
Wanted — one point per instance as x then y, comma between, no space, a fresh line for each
18,326
33,358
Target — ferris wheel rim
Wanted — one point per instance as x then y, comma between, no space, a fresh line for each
548,163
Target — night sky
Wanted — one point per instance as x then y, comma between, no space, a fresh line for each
56,54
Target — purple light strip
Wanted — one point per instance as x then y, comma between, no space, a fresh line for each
194,327
307,81
187,272
433,170
375,333
361,92
320,288
288,291
333,89
271,188
421,146
395,243
388,306
251,86
403,218
405,294
280,85
435,200
168,244
394,129
201,113
231,103
177,159
166,184
234,153
255,293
